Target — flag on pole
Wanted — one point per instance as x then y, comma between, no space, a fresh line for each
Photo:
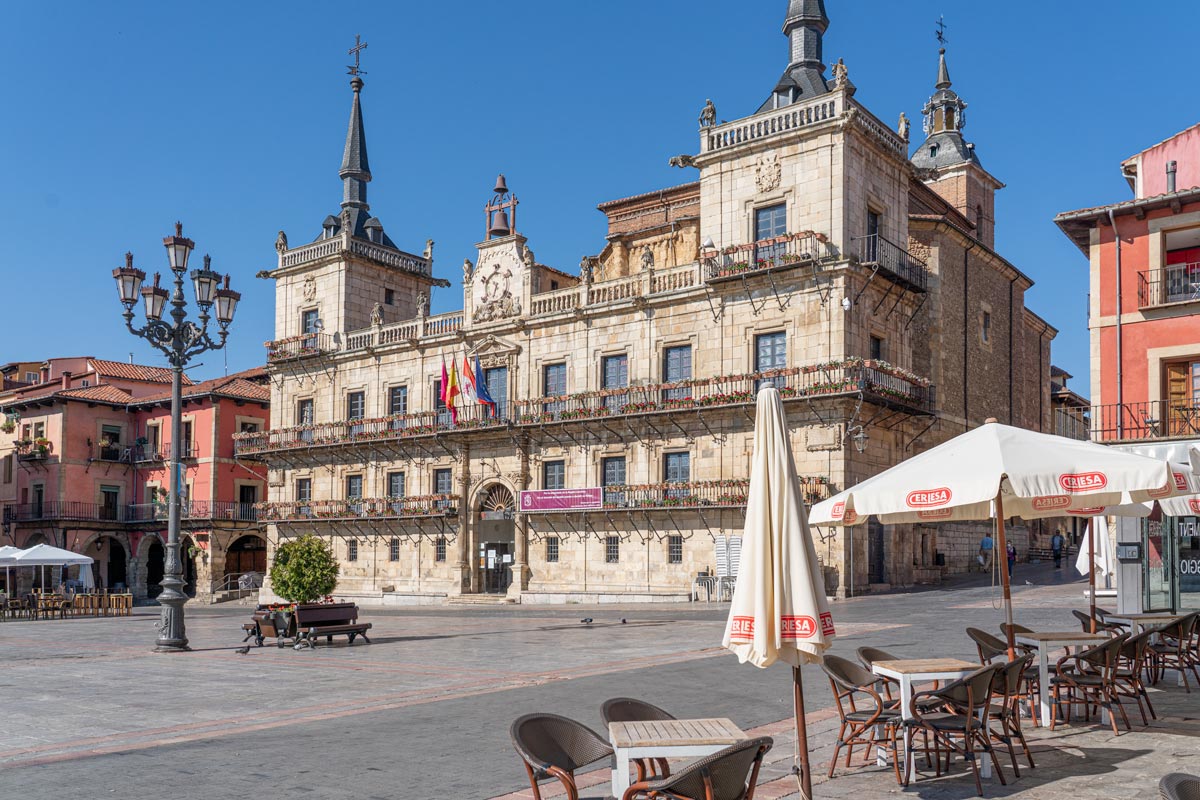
481,390
444,384
452,392
467,379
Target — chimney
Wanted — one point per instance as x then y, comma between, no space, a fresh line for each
66,380
1170,176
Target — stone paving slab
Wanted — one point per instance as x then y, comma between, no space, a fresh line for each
424,711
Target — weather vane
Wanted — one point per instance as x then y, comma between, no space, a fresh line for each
359,46
941,31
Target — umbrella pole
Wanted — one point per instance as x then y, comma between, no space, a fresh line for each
802,770
1001,551
1092,569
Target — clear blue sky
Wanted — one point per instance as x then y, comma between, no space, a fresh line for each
123,117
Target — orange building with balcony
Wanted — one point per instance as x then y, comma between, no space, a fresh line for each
1144,257
83,466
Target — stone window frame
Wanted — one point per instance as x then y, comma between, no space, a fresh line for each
389,389
389,296
675,548
303,311
691,341
353,390
439,549
560,462
259,423
612,549
352,550
784,195
986,328
552,549
394,549
296,489
297,402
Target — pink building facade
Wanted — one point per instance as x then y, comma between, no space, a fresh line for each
1144,324
83,466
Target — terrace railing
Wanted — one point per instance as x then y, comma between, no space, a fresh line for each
362,508
875,380
781,251
893,260
1155,419
697,494
1174,283
296,347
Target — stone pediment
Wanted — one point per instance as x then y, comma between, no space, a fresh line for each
495,351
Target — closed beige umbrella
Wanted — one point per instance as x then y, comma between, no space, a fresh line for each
779,610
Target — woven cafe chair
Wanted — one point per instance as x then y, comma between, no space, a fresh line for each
861,711
867,656
627,709
551,746
1089,678
730,774
962,730
1133,658
1176,649
1005,708
1179,786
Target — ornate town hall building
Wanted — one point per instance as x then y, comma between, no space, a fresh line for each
813,253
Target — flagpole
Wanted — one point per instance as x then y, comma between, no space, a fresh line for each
802,770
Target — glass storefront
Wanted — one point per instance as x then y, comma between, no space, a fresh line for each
1172,563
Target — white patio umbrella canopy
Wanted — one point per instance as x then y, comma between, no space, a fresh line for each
8,555
43,555
779,610
1101,551
997,471
1035,474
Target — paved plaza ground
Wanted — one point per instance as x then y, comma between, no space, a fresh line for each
424,711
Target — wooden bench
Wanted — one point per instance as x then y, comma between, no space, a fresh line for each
264,623
329,620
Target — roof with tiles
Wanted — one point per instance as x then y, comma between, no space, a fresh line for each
103,393
248,385
133,372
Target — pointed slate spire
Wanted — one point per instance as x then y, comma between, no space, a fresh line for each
356,171
804,79
943,81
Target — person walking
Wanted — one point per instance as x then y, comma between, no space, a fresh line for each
1011,553
1056,547
986,551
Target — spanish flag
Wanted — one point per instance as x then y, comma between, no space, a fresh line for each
452,391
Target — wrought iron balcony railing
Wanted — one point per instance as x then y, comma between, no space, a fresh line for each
71,511
894,261
360,508
1155,419
876,381
32,450
781,251
697,494
296,347
1174,283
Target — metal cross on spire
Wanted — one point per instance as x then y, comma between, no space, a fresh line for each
359,46
941,31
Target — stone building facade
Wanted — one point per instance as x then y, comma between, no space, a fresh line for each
811,252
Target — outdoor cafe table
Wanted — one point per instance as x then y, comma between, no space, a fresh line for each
908,670
1047,641
676,738
1148,619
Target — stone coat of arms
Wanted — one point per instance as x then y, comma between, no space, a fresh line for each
768,172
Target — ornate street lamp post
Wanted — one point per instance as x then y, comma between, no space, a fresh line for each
179,340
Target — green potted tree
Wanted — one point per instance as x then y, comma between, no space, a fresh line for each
304,570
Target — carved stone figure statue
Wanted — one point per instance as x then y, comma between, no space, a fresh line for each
527,257
708,115
377,314
840,73
586,269
347,222
902,127
422,305
682,161
281,243
647,258
468,268
429,249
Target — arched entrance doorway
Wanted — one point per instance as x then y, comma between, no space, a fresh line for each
247,554
156,556
495,531
113,562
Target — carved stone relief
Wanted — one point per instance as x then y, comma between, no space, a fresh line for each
768,172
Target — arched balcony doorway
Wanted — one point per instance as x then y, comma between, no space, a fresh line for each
495,532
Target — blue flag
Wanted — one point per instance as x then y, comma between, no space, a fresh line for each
481,390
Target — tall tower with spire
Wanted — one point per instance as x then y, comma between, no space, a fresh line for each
804,78
352,276
948,162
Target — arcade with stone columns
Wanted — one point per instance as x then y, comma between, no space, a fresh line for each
811,251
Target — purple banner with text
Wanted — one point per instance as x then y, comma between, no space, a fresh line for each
561,500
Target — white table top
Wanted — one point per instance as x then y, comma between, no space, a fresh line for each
923,668
1039,638
675,733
